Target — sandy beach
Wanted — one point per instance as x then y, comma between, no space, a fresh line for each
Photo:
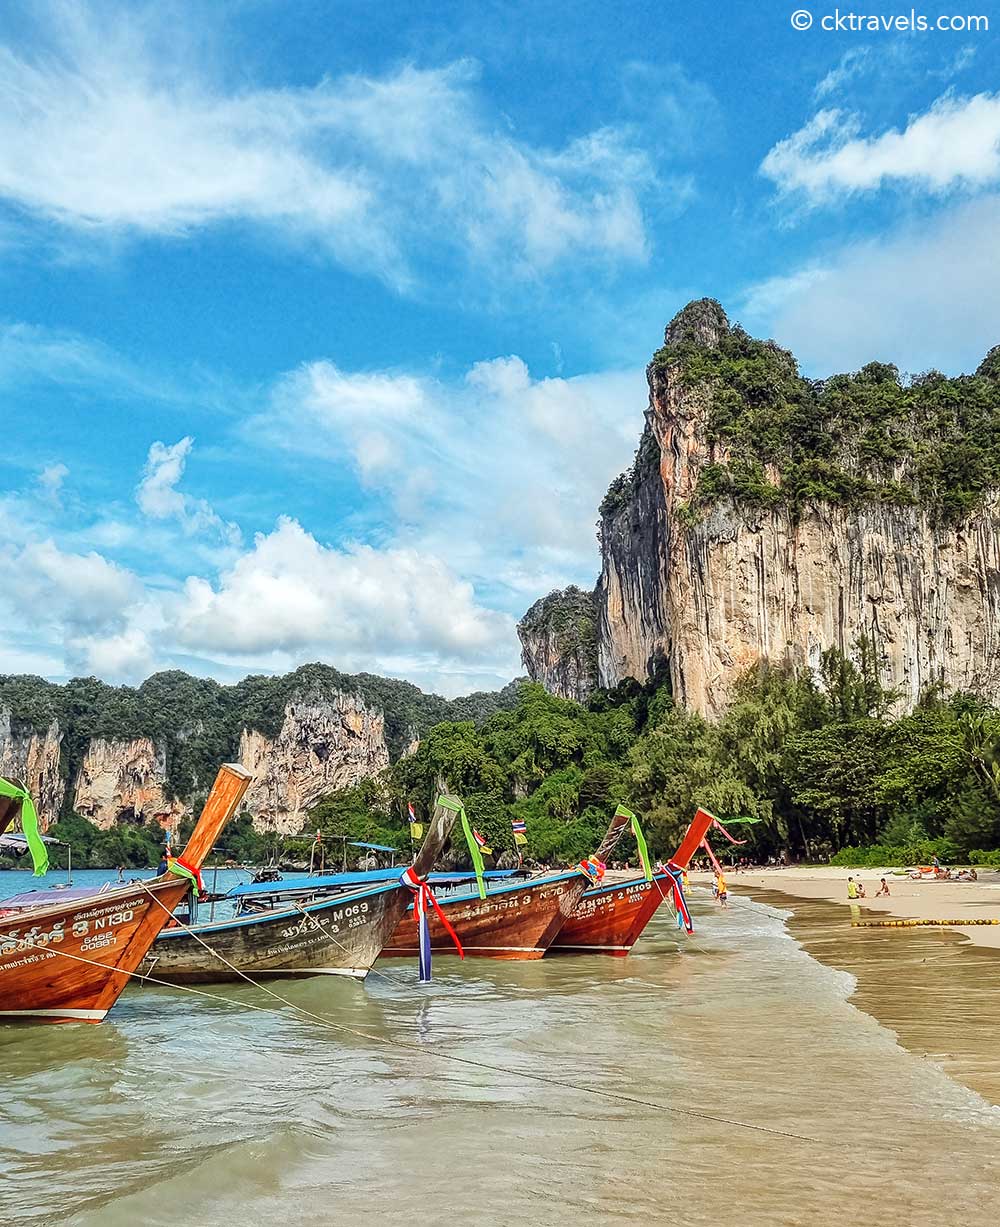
908,900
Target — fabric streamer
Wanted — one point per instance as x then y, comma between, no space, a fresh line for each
422,897
680,902
29,825
458,808
711,856
593,868
184,870
640,840
717,826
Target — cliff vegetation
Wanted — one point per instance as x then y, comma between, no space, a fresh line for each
820,762
870,436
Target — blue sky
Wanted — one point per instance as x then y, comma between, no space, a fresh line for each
323,325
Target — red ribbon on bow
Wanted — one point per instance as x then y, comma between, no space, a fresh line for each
422,895
191,869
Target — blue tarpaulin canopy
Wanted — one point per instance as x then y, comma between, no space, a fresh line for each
374,847
333,881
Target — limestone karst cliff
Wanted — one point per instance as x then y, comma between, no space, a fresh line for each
118,755
125,781
323,744
31,755
559,643
770,517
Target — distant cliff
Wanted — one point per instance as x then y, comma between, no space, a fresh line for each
121,755
769,517
559,643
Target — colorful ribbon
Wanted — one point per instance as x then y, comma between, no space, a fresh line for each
640,840
29,825
717,826
711,856
184,870
458,808
593,868
680,902
422,895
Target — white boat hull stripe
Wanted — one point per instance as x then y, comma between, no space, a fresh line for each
90,1015
581,946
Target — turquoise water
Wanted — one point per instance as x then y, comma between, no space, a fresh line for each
182,1108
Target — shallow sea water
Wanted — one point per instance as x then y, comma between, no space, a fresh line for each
205,1111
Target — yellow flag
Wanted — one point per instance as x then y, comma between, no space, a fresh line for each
416,830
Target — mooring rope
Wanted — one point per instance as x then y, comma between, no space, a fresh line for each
407,1045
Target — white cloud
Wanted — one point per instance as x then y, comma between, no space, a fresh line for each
921,296
484,494
82,590
358,605
100,132
851,65
159,498
500,376
51,479
955,144
499,473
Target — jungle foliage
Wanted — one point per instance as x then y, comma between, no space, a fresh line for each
821,763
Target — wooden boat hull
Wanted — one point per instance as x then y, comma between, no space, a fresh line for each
512,922
70,963
342,936
338,936
611,919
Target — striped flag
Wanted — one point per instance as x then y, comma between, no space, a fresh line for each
481,842
520,829
416,828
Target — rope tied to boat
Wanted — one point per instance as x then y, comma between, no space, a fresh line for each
422,897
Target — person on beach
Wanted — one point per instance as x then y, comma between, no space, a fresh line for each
721,893
852,889
861,890
883,889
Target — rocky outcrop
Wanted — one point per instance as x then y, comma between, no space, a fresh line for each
125,781
325,741
713,559
559,643
323,744
33,758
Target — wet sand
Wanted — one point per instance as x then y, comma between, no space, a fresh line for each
937,989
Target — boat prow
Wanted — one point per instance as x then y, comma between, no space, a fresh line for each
69,961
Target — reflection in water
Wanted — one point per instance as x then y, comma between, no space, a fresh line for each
184,1109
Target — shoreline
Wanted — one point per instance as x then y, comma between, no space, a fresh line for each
937,993
909,900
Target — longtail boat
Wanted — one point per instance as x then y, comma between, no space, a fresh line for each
515,920
339,935
611,918
69,961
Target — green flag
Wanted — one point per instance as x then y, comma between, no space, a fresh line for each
640,839
29,825
458,808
